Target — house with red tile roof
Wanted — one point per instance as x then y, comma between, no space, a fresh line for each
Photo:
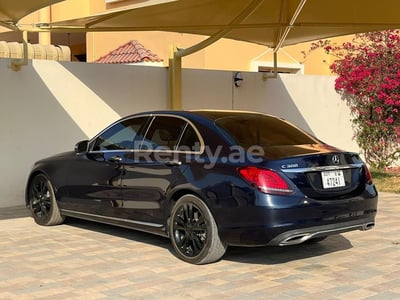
132,52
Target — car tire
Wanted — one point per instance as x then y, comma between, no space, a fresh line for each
42,202
194,232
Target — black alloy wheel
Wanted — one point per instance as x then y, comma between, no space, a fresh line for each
42,202
194,233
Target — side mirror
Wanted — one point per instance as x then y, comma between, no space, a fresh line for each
81,147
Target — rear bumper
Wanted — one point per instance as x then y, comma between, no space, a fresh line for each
295,224
290,235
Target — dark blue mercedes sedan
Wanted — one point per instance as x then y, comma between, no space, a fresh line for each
207,180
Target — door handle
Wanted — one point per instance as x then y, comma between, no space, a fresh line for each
173,163
115,159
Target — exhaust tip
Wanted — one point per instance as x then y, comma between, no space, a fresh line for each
296,239
368,226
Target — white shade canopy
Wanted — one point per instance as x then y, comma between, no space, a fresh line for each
11,11
273,23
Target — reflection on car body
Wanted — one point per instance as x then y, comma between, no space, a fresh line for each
207,180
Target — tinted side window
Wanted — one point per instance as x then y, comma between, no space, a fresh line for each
120,136
163,133
189,141
263,130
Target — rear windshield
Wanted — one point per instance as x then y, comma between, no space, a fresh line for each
262,130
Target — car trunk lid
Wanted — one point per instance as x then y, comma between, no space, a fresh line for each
319,171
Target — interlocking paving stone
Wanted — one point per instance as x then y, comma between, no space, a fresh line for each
84,260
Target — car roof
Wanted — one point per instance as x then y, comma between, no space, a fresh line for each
205,113
216,114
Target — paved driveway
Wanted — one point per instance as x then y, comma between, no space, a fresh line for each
83,260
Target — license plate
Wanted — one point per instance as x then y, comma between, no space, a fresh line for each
332,179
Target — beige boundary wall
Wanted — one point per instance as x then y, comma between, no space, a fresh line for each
48,106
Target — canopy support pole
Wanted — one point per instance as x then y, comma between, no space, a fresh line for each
275,71
175,61
283,37
290,26
16,64
175,79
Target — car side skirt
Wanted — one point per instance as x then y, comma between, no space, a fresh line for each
153,228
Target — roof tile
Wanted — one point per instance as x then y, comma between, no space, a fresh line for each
131,52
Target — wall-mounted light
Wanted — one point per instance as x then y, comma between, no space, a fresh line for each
237,79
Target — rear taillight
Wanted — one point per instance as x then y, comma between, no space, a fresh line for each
267,181
368,176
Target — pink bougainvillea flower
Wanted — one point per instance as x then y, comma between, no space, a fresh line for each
389,120
368,70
